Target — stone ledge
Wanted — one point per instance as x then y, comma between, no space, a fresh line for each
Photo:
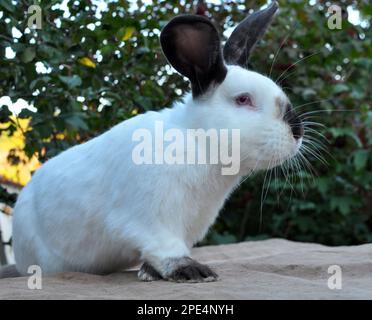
269,269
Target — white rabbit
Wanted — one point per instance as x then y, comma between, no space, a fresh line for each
92,209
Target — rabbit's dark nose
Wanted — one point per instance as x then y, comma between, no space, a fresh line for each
294,122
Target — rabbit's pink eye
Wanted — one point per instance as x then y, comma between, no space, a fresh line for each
244,100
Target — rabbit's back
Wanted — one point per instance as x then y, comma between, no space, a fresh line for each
62,212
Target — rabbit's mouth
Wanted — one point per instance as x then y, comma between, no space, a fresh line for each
279,156
294,150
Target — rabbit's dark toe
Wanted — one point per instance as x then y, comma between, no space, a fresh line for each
190,270
148,273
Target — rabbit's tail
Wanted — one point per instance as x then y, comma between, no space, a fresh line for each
9,271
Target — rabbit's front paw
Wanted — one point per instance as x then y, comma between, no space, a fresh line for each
148,273
189,270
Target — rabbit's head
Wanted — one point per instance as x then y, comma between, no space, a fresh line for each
230,95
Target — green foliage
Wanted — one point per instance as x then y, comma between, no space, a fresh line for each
121,61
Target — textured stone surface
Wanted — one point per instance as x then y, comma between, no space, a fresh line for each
270,269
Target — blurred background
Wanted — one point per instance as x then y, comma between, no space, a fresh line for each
96,63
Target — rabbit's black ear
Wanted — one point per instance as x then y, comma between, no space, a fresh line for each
245,36
192,46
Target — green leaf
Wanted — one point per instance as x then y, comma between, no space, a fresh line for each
7,5
338,88
360,159
337,132
308,93
28,54
305,223
77,122
72,82
39,82
343,204
224,238
307,206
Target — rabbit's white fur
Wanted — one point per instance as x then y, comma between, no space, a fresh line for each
92,209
